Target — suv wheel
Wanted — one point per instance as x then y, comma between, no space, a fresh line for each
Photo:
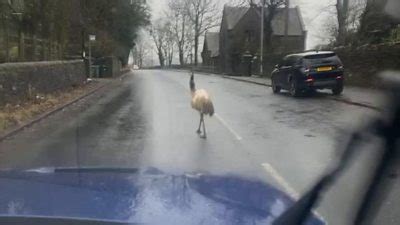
276,89
293,90
337,90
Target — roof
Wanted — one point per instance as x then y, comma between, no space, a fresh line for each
296,25
308,53
212,39
233,15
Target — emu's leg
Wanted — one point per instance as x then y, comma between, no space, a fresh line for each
204,129
201,119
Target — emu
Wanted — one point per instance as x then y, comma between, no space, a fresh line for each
201,102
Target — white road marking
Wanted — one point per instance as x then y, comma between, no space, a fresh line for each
237,136
288,188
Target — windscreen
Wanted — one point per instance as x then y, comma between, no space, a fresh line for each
173,111
323,59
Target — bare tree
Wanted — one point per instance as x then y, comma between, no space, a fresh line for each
343,25
272,8
189,46
169,42
140,52
375,24
157,32
182,30
356,8
203,16
342,9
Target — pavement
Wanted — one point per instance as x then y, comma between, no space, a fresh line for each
145,120
364,97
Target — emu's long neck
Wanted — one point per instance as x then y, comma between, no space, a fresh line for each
192,84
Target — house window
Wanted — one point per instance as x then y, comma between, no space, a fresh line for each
248,35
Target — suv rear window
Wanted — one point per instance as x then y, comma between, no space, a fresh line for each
330,58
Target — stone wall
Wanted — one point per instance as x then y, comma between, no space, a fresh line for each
22,81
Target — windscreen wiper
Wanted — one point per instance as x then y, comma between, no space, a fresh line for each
390,131
84,170
96,170
301,210
41,220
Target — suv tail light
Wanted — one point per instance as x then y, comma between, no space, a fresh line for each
309,79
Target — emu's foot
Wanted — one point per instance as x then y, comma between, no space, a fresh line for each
198,131
203,136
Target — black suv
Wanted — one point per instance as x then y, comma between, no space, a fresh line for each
309,71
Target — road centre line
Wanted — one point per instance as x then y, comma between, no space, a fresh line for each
274,173
268,167
288,188
237,136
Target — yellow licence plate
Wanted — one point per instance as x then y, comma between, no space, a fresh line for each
325,68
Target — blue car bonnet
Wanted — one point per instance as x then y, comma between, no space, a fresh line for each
142,196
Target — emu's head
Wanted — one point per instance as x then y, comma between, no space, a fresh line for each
191,83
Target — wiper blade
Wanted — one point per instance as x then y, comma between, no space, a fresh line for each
390,131
96,170
40,220
300,212
84,170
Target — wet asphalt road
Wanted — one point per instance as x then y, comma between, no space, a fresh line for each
145,120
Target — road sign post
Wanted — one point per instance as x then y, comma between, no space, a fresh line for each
91,38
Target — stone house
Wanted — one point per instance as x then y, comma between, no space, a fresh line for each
210,53
239,44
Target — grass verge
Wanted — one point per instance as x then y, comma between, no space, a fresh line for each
15,115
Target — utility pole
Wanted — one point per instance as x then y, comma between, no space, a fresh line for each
286,22
82,24
286,18
262,37
90,59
